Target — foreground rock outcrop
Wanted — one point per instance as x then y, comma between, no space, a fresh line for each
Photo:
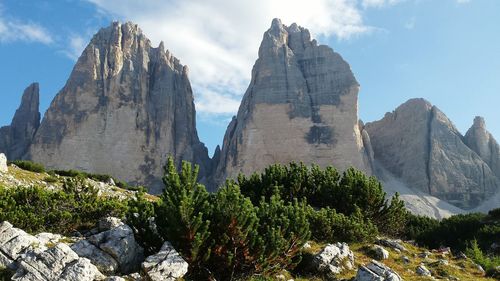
113,249
166,265
301,105
377,271
56,263
16,138
126,107
108,254
333,259
418,144
3,163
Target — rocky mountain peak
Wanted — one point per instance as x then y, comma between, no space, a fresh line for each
126,106
301,105
16,138
420,145
479,123
484,144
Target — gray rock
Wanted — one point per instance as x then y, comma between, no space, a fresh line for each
480,268
424,255
116,246
46,239
406,259
376,271
13,243
16,138
166,265
334,258
484,144
125,107
301,105
380,253
108,223
423,271
104,262
393,244
3,163
56,263
418,144
115,278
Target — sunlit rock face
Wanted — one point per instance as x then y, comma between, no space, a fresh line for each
484,144
126,107
420,145
301,105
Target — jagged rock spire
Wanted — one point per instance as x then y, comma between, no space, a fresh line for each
126,107
16,138
301,105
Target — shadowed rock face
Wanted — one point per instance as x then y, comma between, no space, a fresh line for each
301,105
126,107
16,138
419,144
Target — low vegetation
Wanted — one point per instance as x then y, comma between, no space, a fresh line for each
29,166
257,225
76,207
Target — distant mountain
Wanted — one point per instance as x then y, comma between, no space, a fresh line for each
16,138
127,106
301,105
418,144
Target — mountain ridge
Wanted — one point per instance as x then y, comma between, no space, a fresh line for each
127,106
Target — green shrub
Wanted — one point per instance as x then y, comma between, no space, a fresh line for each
140,217
474,252
418,227
36,209
284,228
324,188
29,166
70,173
234,236
329,226
50,179
182,214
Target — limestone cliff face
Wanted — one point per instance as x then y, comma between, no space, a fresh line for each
301,105
484,144
126,107
419,144
16,138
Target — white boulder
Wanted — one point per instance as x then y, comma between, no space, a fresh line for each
334,258
166,265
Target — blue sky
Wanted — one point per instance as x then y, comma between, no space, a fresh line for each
447,51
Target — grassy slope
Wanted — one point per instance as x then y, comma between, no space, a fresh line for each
464,270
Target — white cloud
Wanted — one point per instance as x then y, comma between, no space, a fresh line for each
12,30
219,39
379,3
463,1
215,103
75,46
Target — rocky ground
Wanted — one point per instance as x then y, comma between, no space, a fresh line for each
13,176
110,252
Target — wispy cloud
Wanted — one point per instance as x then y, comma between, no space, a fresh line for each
463,1
379,3
219,39
75,45
12,30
